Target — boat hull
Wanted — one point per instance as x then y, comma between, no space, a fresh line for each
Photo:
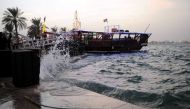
112,45
105,42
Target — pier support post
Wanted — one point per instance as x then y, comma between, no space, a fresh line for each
5,63
25,67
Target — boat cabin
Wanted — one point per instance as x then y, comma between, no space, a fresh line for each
111,41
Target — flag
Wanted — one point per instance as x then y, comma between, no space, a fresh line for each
44,19
43,28
105,20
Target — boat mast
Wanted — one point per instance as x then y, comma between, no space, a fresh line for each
146,28
76,23
106,27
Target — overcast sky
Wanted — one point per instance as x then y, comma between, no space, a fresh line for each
168,19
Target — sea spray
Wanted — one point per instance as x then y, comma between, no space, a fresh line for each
57,58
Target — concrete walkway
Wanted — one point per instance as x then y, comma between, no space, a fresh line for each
58,95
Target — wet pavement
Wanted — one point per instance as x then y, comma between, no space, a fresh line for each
55,94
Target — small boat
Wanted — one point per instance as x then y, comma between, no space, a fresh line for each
114,41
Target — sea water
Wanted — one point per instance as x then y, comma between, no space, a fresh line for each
157,76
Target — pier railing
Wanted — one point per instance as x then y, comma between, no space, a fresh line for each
26,42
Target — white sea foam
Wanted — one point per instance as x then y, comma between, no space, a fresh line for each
57,59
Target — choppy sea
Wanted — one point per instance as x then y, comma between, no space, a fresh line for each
157,76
